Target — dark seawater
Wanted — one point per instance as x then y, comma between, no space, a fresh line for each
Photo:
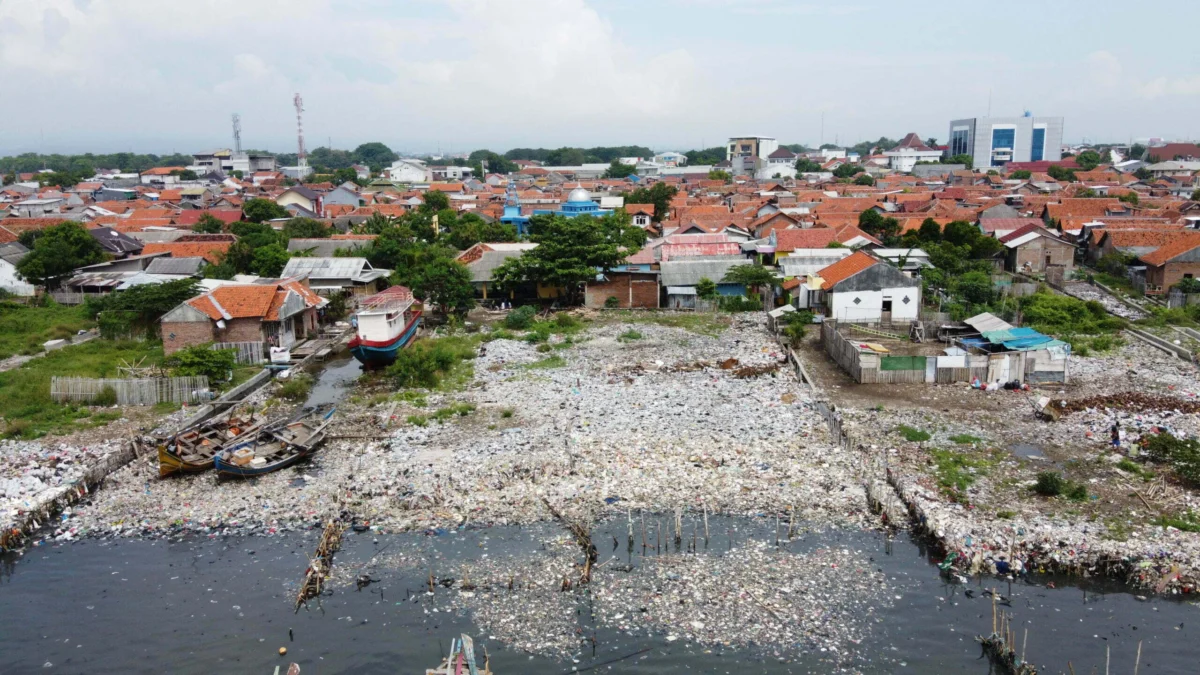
334,379
224,605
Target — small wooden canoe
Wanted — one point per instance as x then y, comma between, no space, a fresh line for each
272,449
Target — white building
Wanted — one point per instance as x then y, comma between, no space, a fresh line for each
908,152
10,255
995,141
36,208
671,158
409,171
864,289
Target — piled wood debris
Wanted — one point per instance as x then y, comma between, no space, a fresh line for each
322,563
1129,400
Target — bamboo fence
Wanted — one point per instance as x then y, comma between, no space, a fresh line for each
247,352
143,391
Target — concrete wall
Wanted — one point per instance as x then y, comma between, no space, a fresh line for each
842,306
1034,254
1172,273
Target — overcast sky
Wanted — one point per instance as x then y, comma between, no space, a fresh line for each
94,75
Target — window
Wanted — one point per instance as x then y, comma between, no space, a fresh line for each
1003,139
958,142
1038,151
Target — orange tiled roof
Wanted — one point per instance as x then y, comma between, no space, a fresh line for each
1138,238
238,301
209,250
845,268
1164,254
817,237
635,209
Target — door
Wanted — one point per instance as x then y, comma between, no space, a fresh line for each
885,315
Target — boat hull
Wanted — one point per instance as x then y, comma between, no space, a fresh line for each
235,471
378,354
169,464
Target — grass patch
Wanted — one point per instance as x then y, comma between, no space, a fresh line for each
499,334
25,391
507,413
701,323
1129,466
166,407
965,439
414,398
913,435
555,361
956,472
629,336
24,328
418,420
1188,521
296,388
456,409
1006,515
1052,484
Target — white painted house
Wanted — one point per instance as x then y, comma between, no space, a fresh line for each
409,171
861,288
10,255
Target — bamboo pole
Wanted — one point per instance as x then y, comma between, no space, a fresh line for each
1138,662
1024,644
705,505
1107,655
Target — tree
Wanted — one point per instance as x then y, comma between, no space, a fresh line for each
305,228
63,179
347,175
960,232
1021,174
806,165
435,200
931,142
864,179
717,174
269,261
1061,174
1196,195
874,224
495,163
846,170
571,251
57,253
1142,173
659,194
257,210
215,364
375,155
964,159
209,224
974,287
463,232
446,283
618,170
1130,198
10,178
706,156
751,276
1136,151
149,301
1088,160
706,288
929,230
185,174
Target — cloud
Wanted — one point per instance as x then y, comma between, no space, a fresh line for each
1105,68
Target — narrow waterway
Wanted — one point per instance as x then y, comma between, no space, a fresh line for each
334,379
226,605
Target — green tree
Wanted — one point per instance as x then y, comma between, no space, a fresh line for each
306,228
929,230
1021,174
10,178
618,170
258,210
806,165
660,195
1142,173
1130,198
961,159
63,179
1196,195
185,174
1061,174
1088,160
846,170
149,301
197,360
435,200
1136,151
208,224
269,261
446,283
876,225
974,287
706,156
571,251
347,175
375,155
718,174
960,232
864,179
706,288
57,253
753,277
466,230
495,163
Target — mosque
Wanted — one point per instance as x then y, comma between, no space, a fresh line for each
579,203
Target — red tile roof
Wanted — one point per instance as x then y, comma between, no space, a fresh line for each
238,301
190,217
1164,254
635,209
817,237
209,250
846,268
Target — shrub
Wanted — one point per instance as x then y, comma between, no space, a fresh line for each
499,334
520,318
1006,515
215,364
537,337
1077,492
18,428
418,420
296,387
564,320
1049,484
629,336
738,303
611,302
913,435
105,397
426,362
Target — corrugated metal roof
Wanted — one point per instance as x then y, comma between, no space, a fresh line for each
181,266
987,322
325,268
689,272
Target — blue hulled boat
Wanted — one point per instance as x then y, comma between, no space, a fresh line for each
272,450
386,323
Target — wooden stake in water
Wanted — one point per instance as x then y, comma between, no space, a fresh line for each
1138,662
994,614
1107,654
1024,643
705,505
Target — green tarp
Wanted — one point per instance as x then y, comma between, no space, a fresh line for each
902,363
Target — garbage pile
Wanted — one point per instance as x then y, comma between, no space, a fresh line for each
1088,292
756,594
35,472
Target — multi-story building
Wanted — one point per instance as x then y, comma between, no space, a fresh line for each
995,141
750,146
227,161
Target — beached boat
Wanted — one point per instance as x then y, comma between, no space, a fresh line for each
273,449
385,324
461,660
192,450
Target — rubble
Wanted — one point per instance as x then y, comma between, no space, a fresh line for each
1114,306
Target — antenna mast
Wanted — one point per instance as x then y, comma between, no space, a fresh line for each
301,156
237,133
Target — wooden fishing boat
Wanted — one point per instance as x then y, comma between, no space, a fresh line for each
273,449
386,323
193,450
462,660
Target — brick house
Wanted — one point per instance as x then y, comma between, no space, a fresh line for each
1033,248
278,313
1170,264
631,289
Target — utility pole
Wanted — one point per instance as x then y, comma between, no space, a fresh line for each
237,133
301,155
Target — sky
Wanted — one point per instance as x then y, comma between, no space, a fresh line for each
457,75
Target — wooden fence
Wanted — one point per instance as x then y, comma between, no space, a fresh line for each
146,391
247,352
